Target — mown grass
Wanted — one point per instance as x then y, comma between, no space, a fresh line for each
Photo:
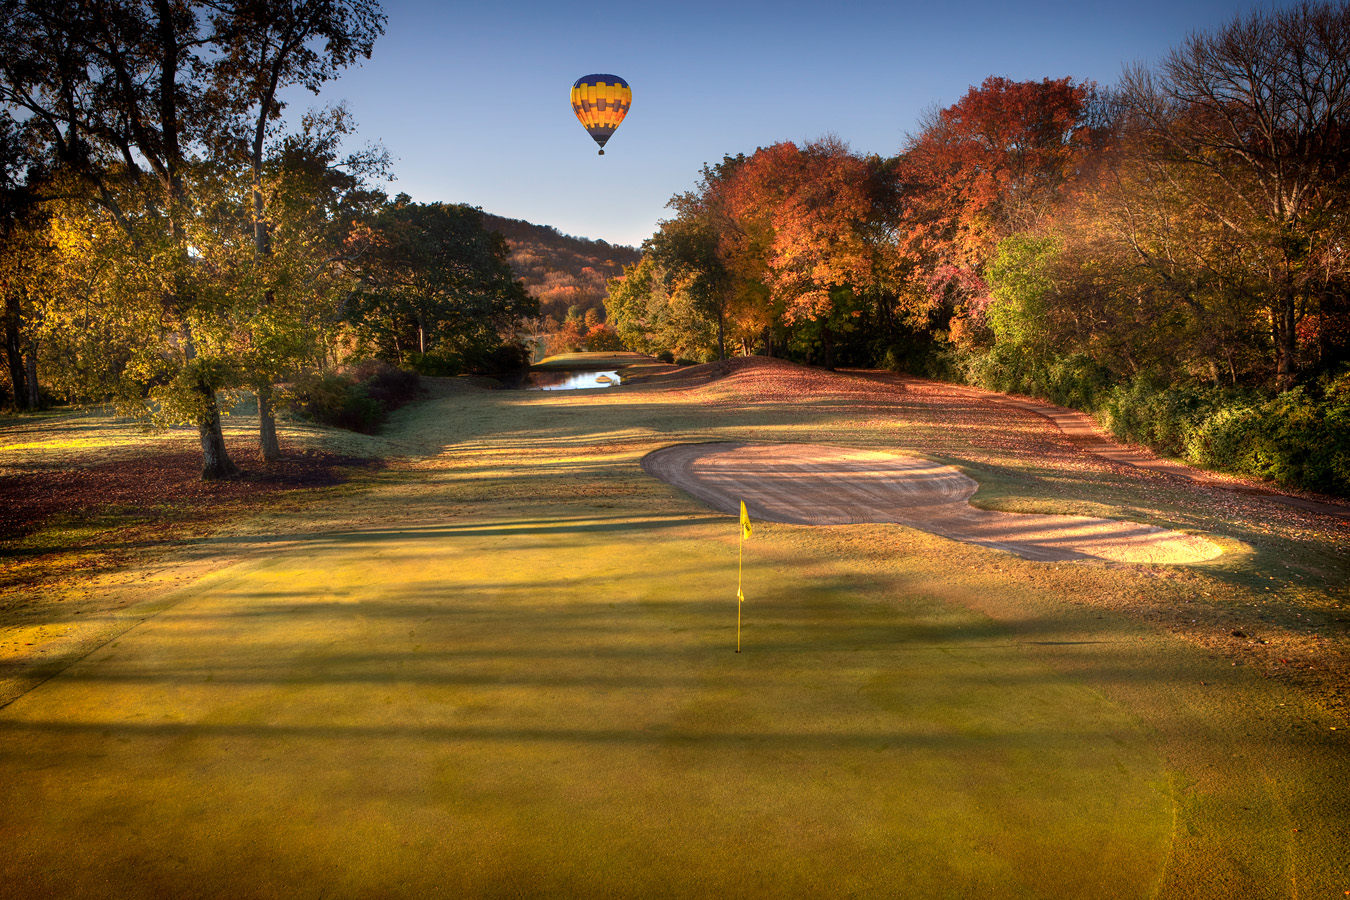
509,670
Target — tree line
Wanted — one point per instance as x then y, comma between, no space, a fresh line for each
569,277
168,240
1163,251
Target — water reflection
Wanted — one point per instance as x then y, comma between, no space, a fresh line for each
570,381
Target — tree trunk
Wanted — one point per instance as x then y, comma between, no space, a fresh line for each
14,355
1286,338
269,449
216,464
827,338
34,394
721,336
262,241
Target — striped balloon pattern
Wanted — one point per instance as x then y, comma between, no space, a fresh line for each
601,102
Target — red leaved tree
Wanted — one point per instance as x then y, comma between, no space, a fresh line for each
995,163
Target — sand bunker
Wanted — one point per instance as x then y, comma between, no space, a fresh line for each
810,484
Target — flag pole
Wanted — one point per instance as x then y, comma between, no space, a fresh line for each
740,595
740,568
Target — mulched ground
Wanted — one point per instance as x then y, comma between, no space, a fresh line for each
160,484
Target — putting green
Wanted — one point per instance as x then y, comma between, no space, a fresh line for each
575,723
509,671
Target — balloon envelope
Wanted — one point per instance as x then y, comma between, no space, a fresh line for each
601,102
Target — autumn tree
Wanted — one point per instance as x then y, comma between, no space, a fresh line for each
111,89
822,218
791,238
1248,124
679,296
995,163
1148,281
136,103
21,240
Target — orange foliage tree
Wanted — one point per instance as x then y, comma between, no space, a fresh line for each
995,163
790,240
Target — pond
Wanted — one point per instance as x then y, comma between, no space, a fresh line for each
569,380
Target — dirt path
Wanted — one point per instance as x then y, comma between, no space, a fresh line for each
815,484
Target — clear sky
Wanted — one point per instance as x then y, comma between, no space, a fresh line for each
471,99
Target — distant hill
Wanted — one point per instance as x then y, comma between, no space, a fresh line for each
561,270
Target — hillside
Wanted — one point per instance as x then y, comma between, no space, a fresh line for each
561,270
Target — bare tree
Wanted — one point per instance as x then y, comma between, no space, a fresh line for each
1253,121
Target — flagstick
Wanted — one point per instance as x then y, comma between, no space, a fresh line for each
740,561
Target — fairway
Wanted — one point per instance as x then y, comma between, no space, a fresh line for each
507,669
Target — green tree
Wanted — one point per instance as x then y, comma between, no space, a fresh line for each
266,47
1020,282
137,104
437,290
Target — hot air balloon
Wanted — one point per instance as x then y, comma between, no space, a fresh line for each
601,102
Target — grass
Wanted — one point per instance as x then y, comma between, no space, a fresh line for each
508,670
637,362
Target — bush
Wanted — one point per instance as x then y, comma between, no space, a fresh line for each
921,355
1300,438
503,359
1161,417
1075,381
359,401
387,385
439,362
336,400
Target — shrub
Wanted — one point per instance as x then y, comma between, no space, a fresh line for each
1300,438
922,356
387,385
1161,417
440,362
359,401
1074,380
500,360
332,399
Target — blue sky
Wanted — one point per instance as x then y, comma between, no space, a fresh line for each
472,100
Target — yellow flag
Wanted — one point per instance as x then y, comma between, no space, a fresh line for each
745,522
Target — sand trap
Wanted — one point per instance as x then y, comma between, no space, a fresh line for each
811,484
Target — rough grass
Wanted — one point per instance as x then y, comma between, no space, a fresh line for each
508,669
